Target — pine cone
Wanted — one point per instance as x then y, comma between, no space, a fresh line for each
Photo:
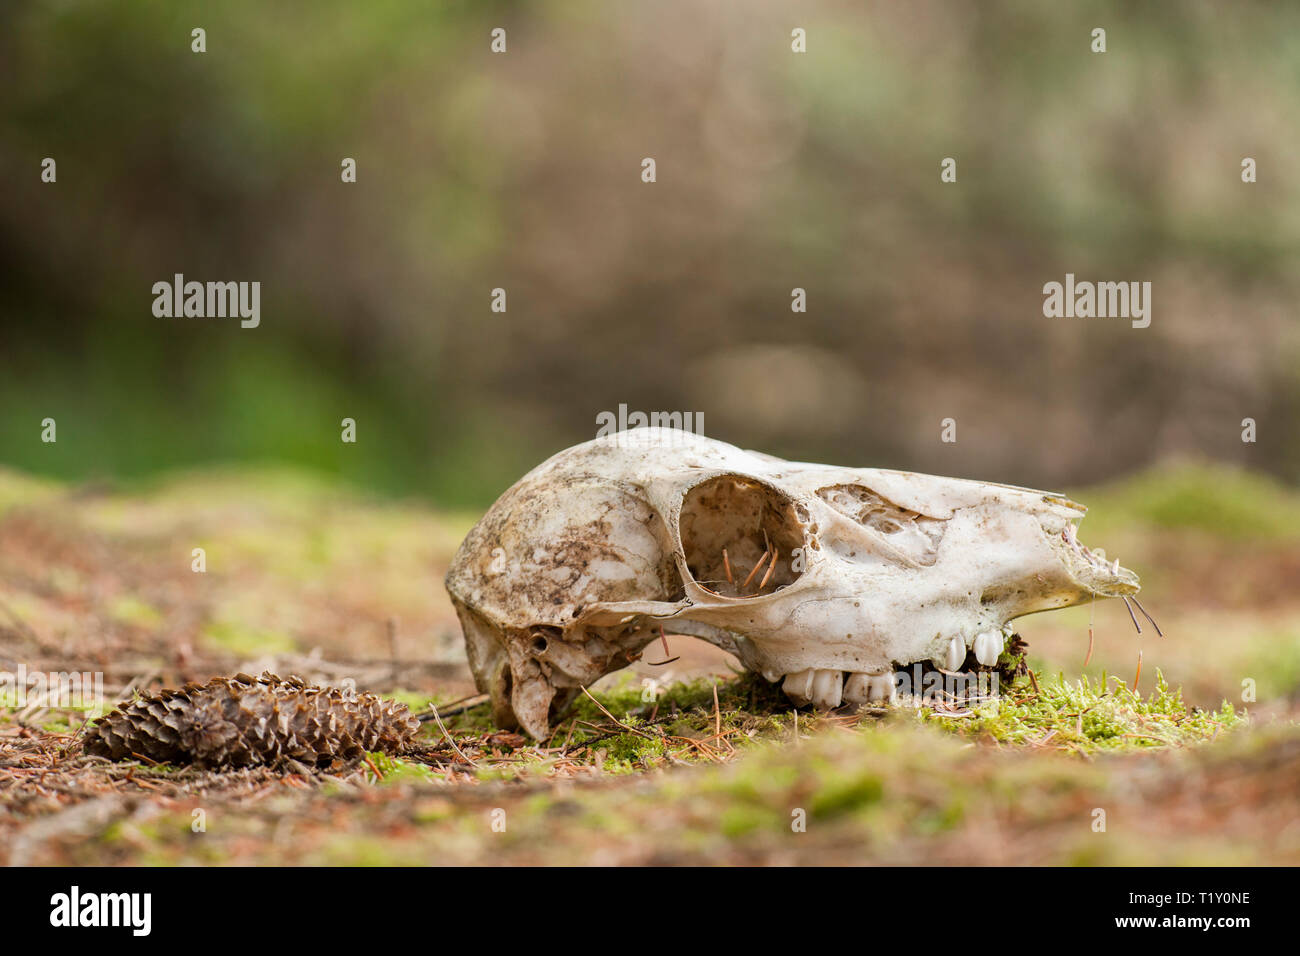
243,721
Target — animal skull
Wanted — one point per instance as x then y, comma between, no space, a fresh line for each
577,566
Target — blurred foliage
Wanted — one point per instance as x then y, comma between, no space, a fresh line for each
1225,502
521,171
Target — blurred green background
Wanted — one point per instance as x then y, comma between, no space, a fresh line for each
522,171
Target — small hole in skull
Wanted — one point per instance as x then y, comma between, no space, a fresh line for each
740,536
540,638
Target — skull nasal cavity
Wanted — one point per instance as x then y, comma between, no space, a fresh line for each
914,535
728,524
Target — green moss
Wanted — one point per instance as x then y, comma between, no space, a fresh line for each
473,722
1090,717
628,753
416,701
395,770
845,792
627,697
61,724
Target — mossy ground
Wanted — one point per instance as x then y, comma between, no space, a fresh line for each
1069,765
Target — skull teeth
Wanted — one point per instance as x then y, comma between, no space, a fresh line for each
956,654
857,688
798,686
870,688
827,689
988,647
821,688
880,687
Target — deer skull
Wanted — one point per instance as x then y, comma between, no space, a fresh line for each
825,578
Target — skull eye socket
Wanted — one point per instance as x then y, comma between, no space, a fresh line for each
915,535
742,538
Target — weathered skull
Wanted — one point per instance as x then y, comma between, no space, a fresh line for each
575,568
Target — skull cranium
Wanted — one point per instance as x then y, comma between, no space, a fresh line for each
825,577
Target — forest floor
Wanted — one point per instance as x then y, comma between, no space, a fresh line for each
692,763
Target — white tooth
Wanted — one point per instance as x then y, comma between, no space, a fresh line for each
956,654
826,688
1069,533
798,686
857,689
881,687
988,645
772,676
1115,567
870,688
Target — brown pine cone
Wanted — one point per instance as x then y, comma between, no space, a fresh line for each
243,721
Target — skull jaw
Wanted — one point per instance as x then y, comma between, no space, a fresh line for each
533,675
